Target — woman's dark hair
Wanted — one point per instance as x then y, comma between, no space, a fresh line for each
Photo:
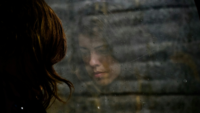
91,28
120,41
32,34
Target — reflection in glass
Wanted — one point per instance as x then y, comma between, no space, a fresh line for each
151,49
100,65
96,53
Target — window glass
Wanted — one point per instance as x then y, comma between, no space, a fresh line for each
130,56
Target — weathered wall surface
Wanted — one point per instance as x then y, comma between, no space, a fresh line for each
163,51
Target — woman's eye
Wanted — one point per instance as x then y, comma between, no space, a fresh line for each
103,51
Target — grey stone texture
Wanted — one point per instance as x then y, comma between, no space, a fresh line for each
159,42
131,104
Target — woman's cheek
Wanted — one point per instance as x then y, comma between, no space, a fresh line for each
106,62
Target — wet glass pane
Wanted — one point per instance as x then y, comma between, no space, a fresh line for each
130,56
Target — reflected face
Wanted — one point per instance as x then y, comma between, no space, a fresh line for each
99,63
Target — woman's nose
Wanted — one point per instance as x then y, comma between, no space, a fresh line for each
94,60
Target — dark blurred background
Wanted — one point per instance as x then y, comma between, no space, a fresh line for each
165,66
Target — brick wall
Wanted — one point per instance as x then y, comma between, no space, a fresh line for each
164,45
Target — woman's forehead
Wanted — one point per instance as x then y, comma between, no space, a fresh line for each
91,40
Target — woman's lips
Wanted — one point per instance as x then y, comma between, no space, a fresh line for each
99,74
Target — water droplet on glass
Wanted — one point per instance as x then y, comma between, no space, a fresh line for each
98,107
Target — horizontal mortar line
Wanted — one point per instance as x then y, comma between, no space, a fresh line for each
150,94
145,8
140,94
